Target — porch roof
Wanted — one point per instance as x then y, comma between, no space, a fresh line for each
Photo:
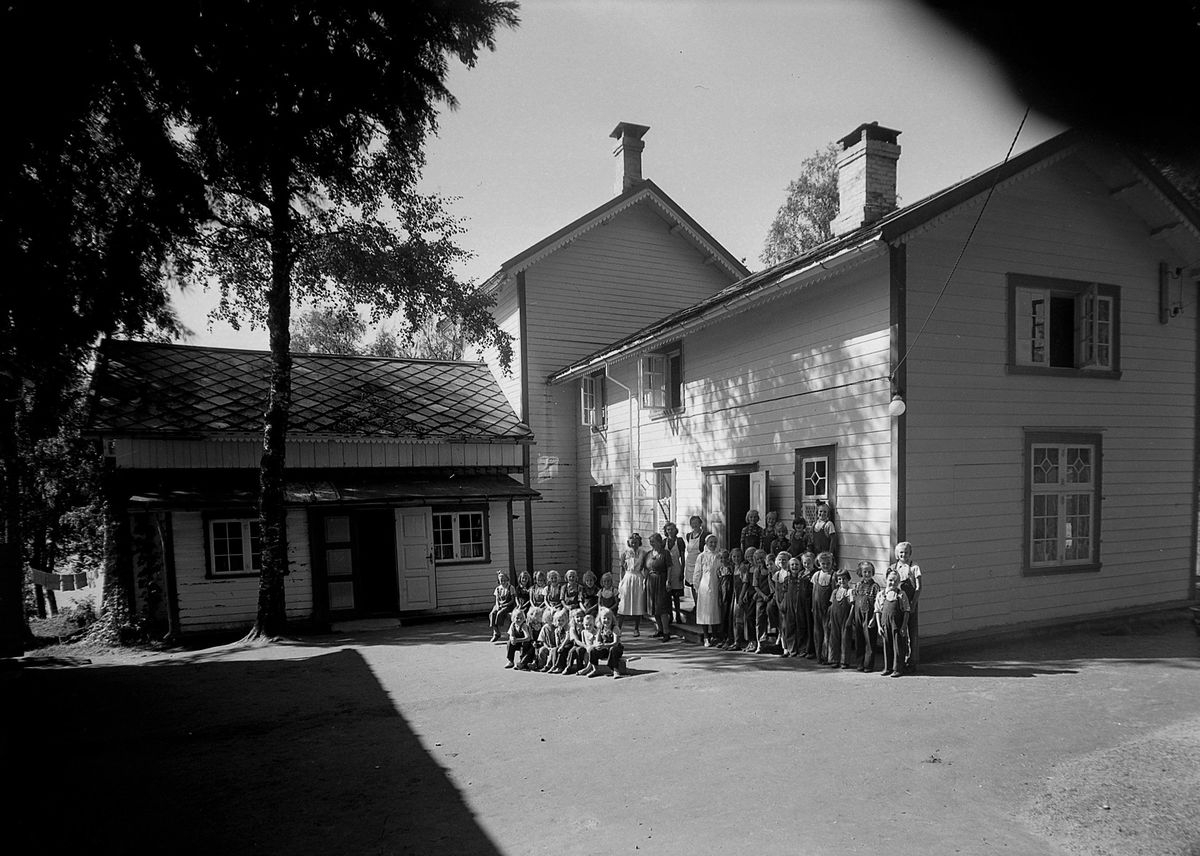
194,490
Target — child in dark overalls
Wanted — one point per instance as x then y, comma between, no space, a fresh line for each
862,619
743,587
781,589
823,583
840,607
891,617
808,566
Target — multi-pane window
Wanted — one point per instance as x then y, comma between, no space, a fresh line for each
662,379
815,477
592,401
459,536
235,546
1063,497
1064,325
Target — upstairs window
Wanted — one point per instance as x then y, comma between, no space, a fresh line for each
593,404
662,379
1061,326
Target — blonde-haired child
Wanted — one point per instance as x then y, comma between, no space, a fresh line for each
822,591
891,617
551,651
505,600
554,595
910,584
577,655
608,597
589,595
608,645
519,639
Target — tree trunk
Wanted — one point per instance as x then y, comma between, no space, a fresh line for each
13,629
271,618
116,607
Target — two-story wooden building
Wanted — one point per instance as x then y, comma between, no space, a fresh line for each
633,259
1004,373
402,475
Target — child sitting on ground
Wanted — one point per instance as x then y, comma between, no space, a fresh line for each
577,656
519,639
505,601
608,647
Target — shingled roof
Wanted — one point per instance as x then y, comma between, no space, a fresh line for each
151,388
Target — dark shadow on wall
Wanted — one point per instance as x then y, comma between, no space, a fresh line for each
280,757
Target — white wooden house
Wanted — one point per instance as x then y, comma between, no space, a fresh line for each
402,476
631,260
1004,373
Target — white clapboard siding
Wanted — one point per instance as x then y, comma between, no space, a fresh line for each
967,416
800,371
154,453
598,289
218,604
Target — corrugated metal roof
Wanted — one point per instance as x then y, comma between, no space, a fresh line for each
151,388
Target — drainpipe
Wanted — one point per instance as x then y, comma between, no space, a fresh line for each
634,457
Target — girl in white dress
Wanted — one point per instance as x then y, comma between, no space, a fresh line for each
706,581
632,588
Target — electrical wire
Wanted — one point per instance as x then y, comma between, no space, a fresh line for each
963,251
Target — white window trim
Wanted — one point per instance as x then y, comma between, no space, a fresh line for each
593,408
249,567
658,381
455,531
1030,319
1063,440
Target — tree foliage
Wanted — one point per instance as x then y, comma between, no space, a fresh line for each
802,222
97,199
324,330
306,121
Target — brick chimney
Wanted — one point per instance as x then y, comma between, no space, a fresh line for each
866,177
629,154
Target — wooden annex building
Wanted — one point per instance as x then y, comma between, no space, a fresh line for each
1004,373
402,475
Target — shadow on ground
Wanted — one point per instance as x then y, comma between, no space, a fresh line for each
106,755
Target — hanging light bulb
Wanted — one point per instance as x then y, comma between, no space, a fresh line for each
897,406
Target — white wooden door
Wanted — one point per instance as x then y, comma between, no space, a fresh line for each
758,496
715,513
414,558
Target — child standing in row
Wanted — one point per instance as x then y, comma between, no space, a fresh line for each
822,592
910,583
589,596
891,617
743,603
781,592
840,606
608,597
862,618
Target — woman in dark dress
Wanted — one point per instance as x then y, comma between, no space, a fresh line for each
657,563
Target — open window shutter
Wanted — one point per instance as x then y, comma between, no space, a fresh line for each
654,381
587,397
1085,328
1030,316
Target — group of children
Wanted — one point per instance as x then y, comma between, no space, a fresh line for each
559,626
803,604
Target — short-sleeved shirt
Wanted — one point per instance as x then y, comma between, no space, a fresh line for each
752,536
882,598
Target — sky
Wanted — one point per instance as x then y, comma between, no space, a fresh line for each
736,94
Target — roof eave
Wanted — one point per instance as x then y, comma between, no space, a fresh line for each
818,266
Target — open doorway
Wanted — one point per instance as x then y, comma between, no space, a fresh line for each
602,531
726,501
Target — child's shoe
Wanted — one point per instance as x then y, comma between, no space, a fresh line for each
509,664
495,637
